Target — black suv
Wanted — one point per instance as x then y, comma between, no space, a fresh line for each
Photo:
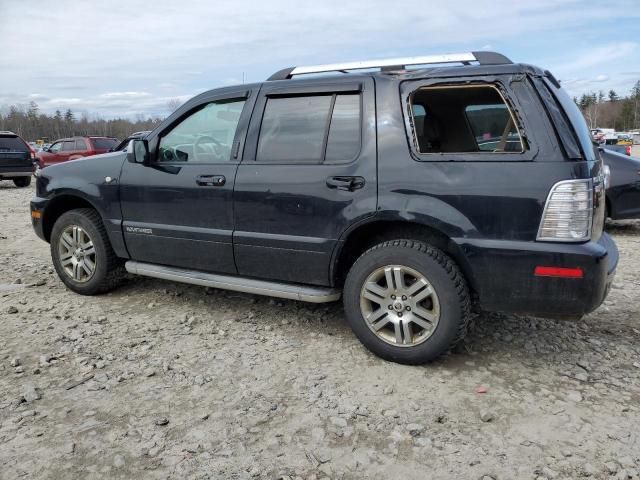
414,194
16,159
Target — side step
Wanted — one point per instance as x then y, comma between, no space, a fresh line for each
291,291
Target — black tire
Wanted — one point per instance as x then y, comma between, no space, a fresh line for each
22,182
109,269
445,278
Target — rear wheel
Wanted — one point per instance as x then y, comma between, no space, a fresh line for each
407,301
82,254
21,182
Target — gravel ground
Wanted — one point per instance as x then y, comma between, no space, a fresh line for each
162,380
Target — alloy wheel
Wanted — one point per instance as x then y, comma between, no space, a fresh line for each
77,253
400,305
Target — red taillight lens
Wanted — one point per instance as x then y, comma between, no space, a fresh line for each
560,272
627,150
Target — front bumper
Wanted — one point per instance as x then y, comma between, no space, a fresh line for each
502,274
37,208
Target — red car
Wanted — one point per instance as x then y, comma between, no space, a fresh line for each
74,148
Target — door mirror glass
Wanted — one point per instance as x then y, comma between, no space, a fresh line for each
138,151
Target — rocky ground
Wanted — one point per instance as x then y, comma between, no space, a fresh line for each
162,380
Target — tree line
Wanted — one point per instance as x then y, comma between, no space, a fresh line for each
611,110
32,124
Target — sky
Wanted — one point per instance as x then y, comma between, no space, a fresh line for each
126,58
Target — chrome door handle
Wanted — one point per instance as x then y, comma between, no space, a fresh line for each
211,180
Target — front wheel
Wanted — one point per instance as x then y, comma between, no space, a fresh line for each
82,254
407,301
22,182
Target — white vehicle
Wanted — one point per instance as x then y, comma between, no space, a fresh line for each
604,135
635,148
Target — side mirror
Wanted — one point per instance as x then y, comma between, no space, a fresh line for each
138,151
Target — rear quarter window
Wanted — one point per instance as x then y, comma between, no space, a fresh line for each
12,144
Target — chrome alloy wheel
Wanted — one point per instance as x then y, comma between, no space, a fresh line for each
77,253
399,305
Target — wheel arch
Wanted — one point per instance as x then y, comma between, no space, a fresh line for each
59,205
366,235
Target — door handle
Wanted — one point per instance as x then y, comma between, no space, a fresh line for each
211,180
348,184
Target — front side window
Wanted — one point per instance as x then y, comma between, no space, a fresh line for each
468,119
310,129
206,135
55,148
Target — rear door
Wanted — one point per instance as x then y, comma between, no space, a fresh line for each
177,210
308,173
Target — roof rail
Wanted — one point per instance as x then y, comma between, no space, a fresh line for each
482,58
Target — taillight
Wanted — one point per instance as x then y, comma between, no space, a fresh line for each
568,213
627,150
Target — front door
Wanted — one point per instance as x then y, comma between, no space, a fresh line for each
309,172
177,209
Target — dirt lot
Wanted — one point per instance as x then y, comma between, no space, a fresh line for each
162,380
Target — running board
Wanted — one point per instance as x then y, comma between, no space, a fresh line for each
291,291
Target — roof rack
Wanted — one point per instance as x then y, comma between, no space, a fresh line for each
390,64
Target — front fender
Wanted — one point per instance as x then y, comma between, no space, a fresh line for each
81,182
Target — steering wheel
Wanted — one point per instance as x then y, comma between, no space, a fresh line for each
204,139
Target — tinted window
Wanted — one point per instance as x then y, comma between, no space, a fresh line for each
80,145
104,143
293,129
204,136
12,144
344,133
69,146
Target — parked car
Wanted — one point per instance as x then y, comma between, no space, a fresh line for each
605,136
374,186
74,148
123,144
635,147
16,159
623,194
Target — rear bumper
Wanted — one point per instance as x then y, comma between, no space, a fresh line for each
503,275
13,172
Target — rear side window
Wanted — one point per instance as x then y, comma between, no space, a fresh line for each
80,145
343,142
310,129
463,119
12,144
104,143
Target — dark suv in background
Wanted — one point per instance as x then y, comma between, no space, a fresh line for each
412,193
16,159
74,148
